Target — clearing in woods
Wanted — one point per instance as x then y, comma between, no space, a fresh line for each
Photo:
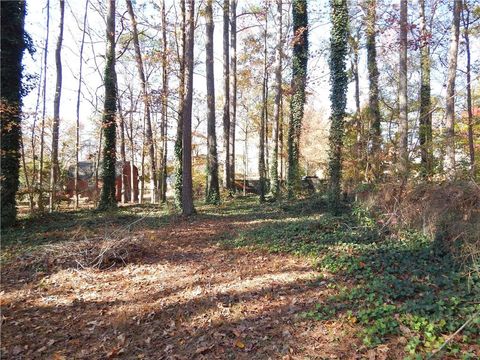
237,281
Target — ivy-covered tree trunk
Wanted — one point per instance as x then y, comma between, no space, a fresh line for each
108,200
181,104
55,168
338,95
187,191
233,96
226,95
12,48
450,101
402,145
274,183
297,102
373,75
425,130
213,192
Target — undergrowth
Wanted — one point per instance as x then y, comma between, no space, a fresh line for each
391,286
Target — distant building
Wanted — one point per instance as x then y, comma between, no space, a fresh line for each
86,180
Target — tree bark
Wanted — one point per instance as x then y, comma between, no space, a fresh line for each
164,131
402,95
213,192
146,101
450,101
187,192
226,94
55,169
108,199
123,155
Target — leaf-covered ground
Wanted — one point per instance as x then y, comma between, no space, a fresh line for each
239,281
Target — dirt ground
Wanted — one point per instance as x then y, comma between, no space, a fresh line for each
185,297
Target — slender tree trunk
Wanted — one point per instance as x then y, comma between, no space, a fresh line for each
338,96
274,184
54,172
450,101
355,45
181,106
263,119
466,35
25,173
233,96
123,155
142,165
108,199
143,82
79,90
213,192
245,160
425,131
297,103
163,187
133,189
373,75
226,94
280,141
44,101
187,193
402,95
97,164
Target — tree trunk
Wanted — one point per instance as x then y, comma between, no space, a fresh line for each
213,192
297,103
274,184
425,131
226,94
263,120
187,192
338,96
146,101
233,96
55,169
466,35
123,155
44,95
79,90
108,199
402,95
164,134
181,105
450,101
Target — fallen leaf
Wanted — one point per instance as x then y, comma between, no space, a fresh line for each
239,344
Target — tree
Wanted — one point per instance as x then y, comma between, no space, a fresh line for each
274,183
181,105
450,101
226,95
187,192
146,101
373,75
233,96
425,130
262,169
163,177
466,35
79,91
55,170
297,103
108,200
213,192
338,95
402,95
12,47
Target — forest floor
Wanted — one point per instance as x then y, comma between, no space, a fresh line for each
238,281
